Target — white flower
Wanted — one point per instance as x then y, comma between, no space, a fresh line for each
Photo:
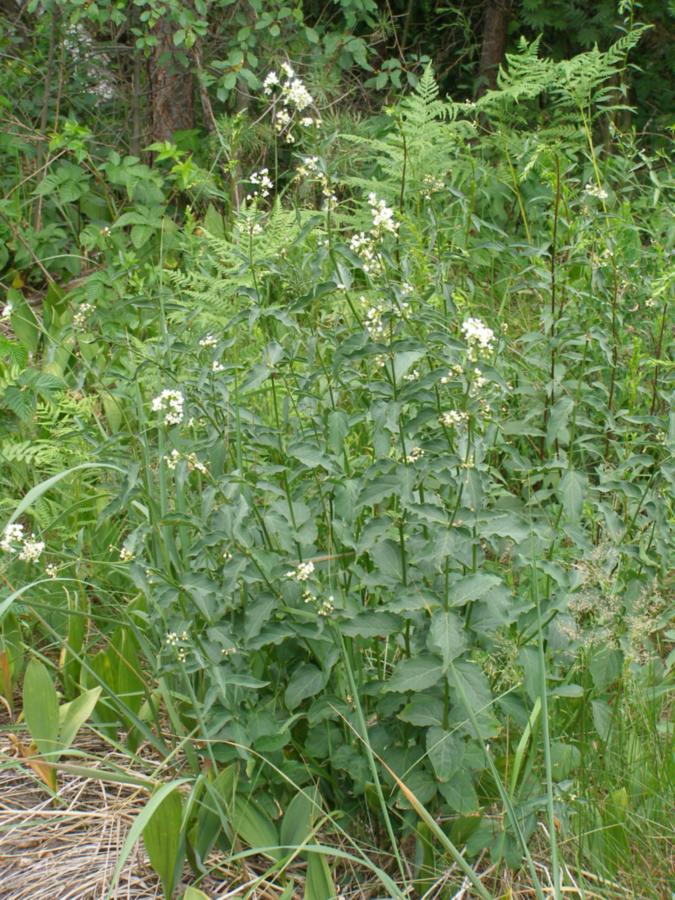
209,340
302,572
297,94
594,190
217,366
478,336
31,550
289,71
328,606
126,555
383,216
262,182
415,454
195,465
171,403
453,418
83,312
7,310
271,81
13,533
52,570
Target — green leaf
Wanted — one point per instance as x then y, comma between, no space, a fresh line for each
24,322
306,681
319,882
296,826
446,636
41,709
565,759
256,828
73,715
571,490
471,587
162,839
371,624
446,752
415,674
460,794
193,893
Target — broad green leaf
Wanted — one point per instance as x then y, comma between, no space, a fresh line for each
446,752
299,817
565,759
471,587
306,681
136,830
24,322
460,794
446,636
371,624
193,893
571,490
256,828
319,881
41,709
73,715
162,839
415,674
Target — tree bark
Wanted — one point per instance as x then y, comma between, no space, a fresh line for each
497,15
171,85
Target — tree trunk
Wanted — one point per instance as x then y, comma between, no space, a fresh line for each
171,85
497,15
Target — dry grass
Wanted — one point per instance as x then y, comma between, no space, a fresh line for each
67,848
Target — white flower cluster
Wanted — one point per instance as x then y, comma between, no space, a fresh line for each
174,641
262,183
453,418
378,315
415,454
478,336
126,555
172,404
82,315
29,549
383,216
365,248
323,608
302,572
453,372
209,340
310,168
431,185
7,311
193,463
594,190
294,98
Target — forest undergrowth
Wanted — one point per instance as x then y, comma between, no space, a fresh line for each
338,491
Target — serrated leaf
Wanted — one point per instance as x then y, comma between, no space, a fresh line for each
446,752
571,490
470,588
306,681
446,636
416,674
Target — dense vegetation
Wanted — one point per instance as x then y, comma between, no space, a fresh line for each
336,437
